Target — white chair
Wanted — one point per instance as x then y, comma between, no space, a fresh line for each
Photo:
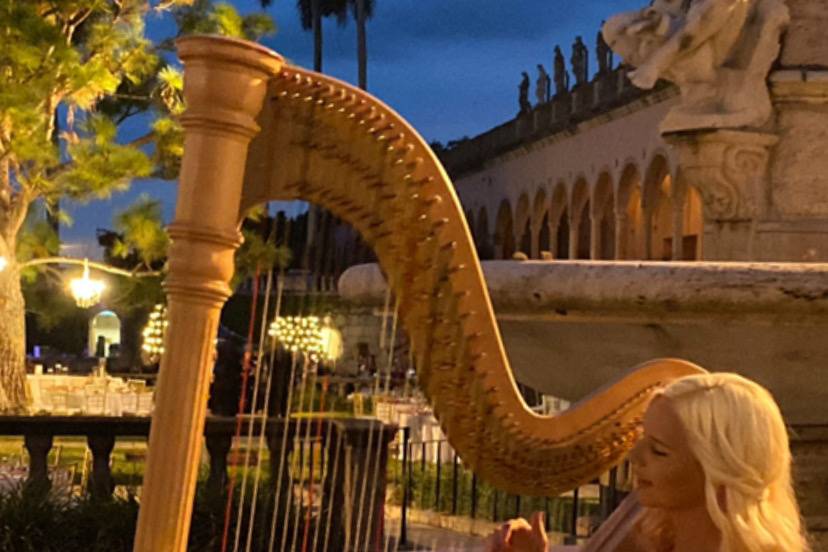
59,402
145,403
129,403
95,403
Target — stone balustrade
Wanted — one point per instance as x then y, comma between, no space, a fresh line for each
604,93
355,450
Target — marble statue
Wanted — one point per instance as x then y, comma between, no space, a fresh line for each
542,85
561,75
718,52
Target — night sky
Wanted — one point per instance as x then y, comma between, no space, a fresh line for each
451,67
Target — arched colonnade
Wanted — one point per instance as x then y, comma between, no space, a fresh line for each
637,213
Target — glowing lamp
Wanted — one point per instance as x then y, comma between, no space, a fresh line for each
85,290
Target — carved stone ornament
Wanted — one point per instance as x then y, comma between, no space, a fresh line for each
729,168
718,52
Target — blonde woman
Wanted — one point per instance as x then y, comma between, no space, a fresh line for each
713,472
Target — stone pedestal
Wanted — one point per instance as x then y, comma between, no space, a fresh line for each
729,168
797,218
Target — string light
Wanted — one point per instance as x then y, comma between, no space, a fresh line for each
307,335
152,346
85,290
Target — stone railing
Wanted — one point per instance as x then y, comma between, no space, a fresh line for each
604,93
355,450
354,457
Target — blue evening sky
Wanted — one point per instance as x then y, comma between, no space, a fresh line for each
451,67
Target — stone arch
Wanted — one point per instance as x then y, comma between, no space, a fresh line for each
657,205
104,327
559,222
629,215
603,218
540,224
523,231
483,238
504,238
692,225
580,230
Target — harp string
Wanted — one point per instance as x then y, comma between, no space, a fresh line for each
380,427
302,433
254,417
282,456
239,418
380,389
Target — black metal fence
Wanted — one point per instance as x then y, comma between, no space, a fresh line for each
429,476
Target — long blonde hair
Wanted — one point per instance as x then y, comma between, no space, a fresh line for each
736,432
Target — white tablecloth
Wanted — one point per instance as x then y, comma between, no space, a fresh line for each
423,427
107,396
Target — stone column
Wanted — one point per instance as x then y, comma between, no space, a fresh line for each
595,236
534,249
574,235
218,446
794,228
38,447
101,483
225,82
647,214
622,222
553,240
729,168
679,203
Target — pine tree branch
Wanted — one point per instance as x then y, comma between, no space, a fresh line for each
92,264
142,140
18,209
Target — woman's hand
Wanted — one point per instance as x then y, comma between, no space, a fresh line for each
519,535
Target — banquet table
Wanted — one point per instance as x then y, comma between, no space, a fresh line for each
89,395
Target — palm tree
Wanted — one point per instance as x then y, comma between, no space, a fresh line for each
312,12
363,10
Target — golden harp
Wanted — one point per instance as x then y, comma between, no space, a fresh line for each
260,130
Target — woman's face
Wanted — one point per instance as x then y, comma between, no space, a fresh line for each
668,476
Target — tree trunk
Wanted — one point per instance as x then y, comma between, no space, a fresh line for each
12,340
362,46
316,11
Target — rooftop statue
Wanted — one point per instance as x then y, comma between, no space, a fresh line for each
523,94
561,74
718,52
542,85
580,61
603,54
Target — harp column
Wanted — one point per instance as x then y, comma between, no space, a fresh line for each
225,82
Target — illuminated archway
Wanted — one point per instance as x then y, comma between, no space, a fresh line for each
504,238
629,215
603,214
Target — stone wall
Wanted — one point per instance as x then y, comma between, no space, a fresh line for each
810,449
